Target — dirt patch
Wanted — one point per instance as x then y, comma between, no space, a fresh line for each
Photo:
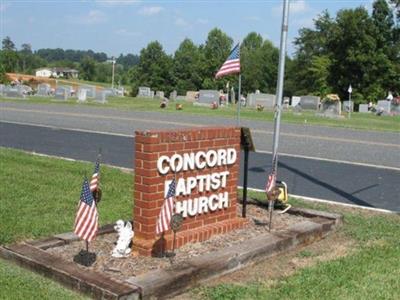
121,268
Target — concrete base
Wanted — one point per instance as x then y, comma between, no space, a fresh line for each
174,280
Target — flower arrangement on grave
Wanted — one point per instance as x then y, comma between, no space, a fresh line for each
331,98
178,106
163,104
214,105
260,107
396,100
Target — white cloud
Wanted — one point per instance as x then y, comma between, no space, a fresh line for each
92,17
124,32
202,21
150,10
181,22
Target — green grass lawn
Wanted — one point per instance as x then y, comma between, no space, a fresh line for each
39,195
357,120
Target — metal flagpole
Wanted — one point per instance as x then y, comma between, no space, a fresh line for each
278,105
239,102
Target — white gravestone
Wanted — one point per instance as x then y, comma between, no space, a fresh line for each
295,101
310,102
82,93
383,105
266,100
207,97
346,106
363,108
43,89
145,92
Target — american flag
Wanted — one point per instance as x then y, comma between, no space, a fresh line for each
232,64
87,219
164,219
94,182
271,182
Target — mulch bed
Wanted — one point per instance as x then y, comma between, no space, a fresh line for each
121,268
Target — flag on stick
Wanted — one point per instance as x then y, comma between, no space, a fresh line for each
86,221
271,181
232,64
167,210
95,181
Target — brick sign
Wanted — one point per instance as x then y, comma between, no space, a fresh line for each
205,165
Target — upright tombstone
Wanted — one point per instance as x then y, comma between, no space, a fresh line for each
145,92
61,93
331,109
110,92
256,99
90,90
173,95
208,97
383,105
363,108
191,96
295,101
346,106
101,97
43,89
160,95
205,165
395,106
69,89
82,95
310,102
15,91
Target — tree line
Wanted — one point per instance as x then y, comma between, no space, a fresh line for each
352,47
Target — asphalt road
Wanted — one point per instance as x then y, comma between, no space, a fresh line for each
342,182
368,147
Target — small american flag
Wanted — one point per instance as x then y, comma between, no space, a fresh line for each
167,210
232,64
271,182
94,182
87,219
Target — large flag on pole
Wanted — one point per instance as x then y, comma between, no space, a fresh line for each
167,210
232,64
87,219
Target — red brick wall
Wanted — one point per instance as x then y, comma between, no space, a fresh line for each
150,184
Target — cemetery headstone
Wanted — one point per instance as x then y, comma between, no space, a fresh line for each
110,92
43,89
90,90
295,101
82,95
160,95
266,100
120,92
61,93
207,97
101,97
310,102
363,108
346,106
191,96
180,98
384,106
145,92
69,90
331,109
15,91
173,95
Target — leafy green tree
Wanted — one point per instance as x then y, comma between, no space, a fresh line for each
8,44
9,60
250,62
88,68
186,67
154,68
215,52
269,60
3,76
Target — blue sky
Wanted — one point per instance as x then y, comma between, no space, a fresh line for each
126,26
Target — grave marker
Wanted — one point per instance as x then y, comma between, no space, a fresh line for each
346,105
363,108
310,102
208,97
43,89
257,99
61,93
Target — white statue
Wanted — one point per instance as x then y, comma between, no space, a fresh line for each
125,235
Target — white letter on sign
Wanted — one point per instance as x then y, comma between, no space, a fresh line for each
163,170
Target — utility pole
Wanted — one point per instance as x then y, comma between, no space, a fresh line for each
279,95
350,90
113,70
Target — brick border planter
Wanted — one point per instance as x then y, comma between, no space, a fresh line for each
176,279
